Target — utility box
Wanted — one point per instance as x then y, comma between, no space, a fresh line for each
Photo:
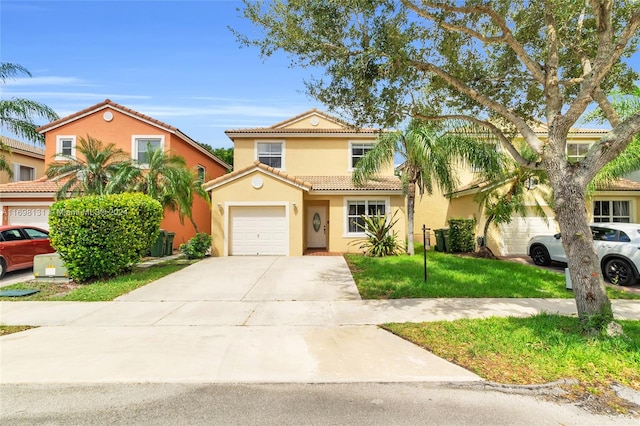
567,279
49,267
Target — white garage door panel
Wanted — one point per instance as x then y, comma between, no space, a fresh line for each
516,234
258,231
29,215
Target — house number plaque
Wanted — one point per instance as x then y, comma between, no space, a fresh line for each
316,222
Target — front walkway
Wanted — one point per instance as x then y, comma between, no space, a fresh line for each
266,319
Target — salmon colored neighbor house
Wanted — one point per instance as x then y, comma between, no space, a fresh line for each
129,130
291,189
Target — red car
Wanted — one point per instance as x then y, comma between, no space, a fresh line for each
18,245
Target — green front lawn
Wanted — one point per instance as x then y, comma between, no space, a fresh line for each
540,349
98,291
449,275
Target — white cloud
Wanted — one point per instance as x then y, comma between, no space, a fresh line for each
97,97
45,81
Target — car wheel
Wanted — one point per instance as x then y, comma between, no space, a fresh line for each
3,268
540,256
619,272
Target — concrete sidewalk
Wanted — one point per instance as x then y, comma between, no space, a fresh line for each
243,320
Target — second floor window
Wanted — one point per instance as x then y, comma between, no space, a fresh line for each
65,145
270,153
359,150
201,173
143,145
577,151
23,173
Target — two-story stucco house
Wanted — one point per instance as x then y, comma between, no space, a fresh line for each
26,161
130,131
617,202
291,189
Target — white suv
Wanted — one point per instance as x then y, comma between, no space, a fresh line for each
617,245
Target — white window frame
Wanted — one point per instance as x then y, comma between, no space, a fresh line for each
134,145
62,138
16,172
350,167
610,217
271,141
346,200
576,158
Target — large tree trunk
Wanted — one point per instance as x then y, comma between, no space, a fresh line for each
594,307
411,200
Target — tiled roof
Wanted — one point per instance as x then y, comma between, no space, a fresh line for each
24,147
620,185
345,183
100,105
257,165
314,183
42,185
307,113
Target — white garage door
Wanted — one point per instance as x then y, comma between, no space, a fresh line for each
259,231
29,215
516,234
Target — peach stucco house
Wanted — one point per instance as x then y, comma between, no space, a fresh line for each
129,130
291,189
26,161
618,201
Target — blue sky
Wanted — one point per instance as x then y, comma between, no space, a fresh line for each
173,60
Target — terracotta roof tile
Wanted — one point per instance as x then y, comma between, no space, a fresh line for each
306,113
21,146
41,185
620,185
257,165
345,183
302,131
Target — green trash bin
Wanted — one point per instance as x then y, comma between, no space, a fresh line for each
158,249
168,250
447,240
439,239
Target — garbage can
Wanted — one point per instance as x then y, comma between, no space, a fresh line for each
168,251
446,239
439,239
159,246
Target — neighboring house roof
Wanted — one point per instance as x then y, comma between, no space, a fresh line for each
616,185
543,129
23,148
107,103
42,185
311,183
282,127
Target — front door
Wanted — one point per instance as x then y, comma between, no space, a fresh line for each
317,227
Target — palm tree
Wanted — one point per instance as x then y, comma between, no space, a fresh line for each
430,153
167,179
99,169
512,191
17,115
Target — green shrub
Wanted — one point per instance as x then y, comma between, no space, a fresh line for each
102,236
380,239
197,247
462,234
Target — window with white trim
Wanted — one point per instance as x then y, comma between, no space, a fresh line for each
577,151
271,154
357,151
358,208
612,211
142,145
23,173
65,146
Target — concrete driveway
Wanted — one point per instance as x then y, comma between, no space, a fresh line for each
249,319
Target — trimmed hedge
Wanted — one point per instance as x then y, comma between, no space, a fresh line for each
103,235
462,235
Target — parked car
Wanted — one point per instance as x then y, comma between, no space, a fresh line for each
617,245
18,245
